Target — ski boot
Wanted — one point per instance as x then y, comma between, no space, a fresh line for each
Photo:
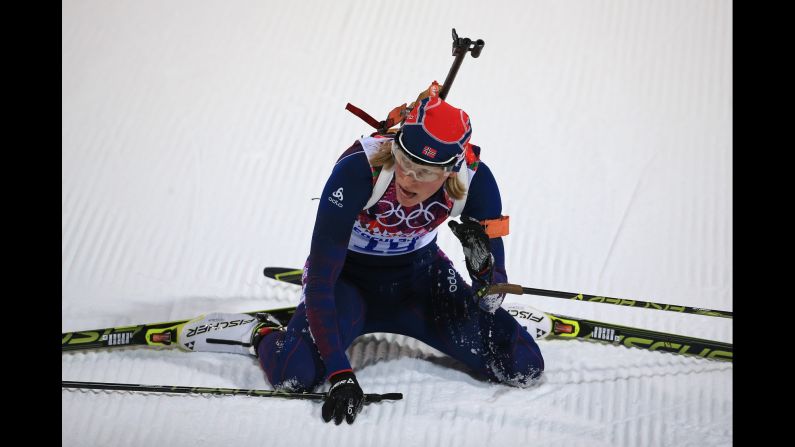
226,332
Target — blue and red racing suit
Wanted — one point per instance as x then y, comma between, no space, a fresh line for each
380,270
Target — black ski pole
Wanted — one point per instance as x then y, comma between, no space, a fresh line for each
461,46
294,276
519,290
104,386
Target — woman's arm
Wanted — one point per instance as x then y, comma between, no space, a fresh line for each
346,192
484,202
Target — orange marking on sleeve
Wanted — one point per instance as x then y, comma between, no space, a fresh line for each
496,227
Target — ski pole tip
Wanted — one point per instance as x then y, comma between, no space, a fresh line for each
371,398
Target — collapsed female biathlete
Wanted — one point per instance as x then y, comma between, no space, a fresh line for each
374,266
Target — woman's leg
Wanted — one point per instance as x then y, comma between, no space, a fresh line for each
438,310
290,358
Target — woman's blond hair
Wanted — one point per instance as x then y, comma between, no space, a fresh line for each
383,157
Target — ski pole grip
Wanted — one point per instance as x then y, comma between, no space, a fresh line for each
513,289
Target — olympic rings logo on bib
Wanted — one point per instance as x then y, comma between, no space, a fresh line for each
419,218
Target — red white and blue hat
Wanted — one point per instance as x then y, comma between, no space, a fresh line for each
435,134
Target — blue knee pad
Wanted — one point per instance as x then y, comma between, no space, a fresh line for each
291,361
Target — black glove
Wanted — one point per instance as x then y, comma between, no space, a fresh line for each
477,249
344,399
479,260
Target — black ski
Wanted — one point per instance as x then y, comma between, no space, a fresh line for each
562,327
154,334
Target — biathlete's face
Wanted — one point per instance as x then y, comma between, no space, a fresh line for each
414,182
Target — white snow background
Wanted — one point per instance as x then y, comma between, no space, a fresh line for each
196,134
